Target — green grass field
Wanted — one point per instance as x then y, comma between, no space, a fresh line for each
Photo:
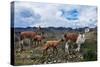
35,55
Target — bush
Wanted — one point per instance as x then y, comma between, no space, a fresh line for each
90,56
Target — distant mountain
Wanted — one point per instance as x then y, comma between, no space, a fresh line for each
52,29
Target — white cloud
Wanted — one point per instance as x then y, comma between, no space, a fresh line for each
51,15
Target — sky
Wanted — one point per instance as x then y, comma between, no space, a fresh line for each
30,14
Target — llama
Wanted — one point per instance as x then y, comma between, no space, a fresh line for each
77,39
52,44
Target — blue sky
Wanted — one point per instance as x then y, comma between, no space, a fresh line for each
29,14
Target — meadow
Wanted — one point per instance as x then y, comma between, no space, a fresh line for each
33,54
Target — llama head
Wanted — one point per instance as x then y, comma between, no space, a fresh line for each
81,39
86,30
62,40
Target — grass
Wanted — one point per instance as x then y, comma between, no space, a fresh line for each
88,50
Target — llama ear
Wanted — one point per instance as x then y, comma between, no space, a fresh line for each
64,35
43,37
62,39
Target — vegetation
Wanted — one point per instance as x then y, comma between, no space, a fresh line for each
34,55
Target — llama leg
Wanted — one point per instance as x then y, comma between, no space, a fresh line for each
40,43
56,51
67,47
44,52
78,48
36,43
53,50
21,45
